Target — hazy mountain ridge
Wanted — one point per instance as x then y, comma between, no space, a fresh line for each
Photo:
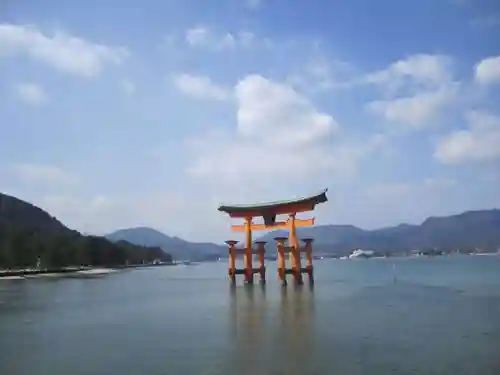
467,231
177,247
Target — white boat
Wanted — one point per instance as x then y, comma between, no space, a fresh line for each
361,254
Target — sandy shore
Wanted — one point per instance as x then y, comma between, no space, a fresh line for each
68,273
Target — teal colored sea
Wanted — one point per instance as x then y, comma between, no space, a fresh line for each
378,316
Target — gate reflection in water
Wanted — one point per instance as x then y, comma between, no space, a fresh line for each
271,335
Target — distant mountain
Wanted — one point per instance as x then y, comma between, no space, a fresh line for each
29,234
179,248
141,236
466,231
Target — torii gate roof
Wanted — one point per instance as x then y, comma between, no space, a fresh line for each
275,208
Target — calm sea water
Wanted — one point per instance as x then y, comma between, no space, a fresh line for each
406,316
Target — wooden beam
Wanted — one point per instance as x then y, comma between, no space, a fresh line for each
279,224
278,210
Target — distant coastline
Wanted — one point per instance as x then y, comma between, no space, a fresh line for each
32,242
71,271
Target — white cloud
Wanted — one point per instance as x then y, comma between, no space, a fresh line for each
200,87
319,67
479,142
488,21
422,71
253,4
197,36
230,161
399,190
97,214
102,214
487,71
39,173
247,38
62,51
31,94
67,204
394,191
280,136
416,111
128,87
439,183
322,74
275,113
417,89
201,36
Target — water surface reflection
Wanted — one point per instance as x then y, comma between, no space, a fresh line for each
271,335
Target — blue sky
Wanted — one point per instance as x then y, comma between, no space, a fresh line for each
121,113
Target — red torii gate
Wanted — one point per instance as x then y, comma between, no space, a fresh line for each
269,211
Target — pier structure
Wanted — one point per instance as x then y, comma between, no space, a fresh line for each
284,245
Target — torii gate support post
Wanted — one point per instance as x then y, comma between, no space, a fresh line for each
232,260
309,266
247,255
260,252
280,246
295,263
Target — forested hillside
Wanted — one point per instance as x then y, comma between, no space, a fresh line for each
27,234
